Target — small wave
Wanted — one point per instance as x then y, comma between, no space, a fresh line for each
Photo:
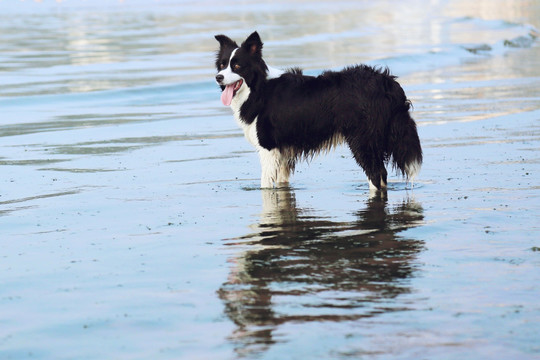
524,36
519,42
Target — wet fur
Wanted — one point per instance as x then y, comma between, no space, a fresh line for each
293,116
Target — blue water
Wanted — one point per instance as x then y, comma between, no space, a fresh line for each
132,225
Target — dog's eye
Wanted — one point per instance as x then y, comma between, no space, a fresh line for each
236,67
222,65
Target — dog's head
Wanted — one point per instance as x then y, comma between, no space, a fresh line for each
239,66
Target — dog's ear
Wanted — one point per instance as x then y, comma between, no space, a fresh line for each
253,44
225,41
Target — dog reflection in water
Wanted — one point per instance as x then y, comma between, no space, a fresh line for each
301,256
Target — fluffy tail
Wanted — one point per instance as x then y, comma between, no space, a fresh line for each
404,143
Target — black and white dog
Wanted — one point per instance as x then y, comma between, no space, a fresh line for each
289,116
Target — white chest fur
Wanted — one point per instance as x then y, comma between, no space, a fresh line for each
250,130
274,166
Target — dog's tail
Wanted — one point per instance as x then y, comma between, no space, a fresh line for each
404,143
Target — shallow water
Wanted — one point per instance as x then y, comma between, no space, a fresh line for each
131,221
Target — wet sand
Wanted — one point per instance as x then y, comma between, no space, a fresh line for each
132,225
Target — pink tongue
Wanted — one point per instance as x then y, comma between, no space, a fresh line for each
227,95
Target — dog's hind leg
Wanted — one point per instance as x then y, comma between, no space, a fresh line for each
380,185
373,187
372,161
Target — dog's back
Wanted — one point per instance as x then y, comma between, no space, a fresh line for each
361,105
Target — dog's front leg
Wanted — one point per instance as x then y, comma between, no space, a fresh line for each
269,167
283,175
284,170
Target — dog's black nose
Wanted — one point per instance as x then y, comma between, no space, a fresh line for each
219,78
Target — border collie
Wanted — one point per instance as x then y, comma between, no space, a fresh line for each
289,116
